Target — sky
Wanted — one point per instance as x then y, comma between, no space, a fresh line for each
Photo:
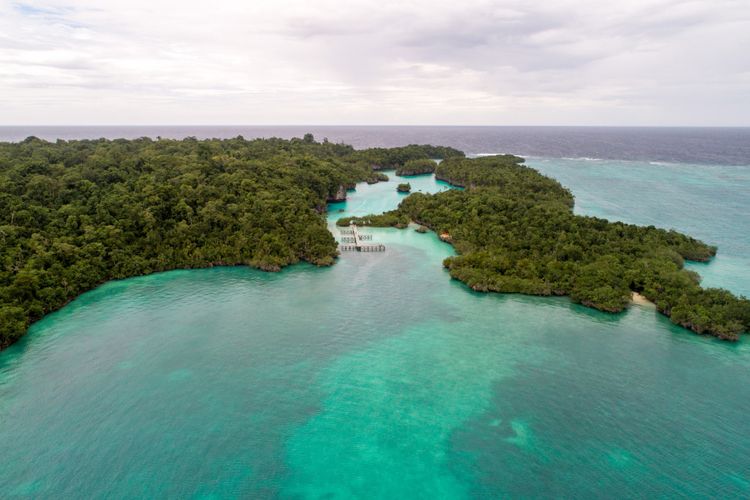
379,62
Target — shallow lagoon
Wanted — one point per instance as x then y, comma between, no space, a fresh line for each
378,377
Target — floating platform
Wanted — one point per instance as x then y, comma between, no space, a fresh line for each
375,247
353,241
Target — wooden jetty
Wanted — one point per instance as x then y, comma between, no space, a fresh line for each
353,241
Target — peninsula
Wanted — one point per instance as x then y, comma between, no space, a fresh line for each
515,232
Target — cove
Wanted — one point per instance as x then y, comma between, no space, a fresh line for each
377,377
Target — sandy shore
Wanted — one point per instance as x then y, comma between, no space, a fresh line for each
638,299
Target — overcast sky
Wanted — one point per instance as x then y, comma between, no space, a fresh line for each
501,62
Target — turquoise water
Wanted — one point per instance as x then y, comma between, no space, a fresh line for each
381,378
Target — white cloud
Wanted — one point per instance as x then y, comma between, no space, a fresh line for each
647,62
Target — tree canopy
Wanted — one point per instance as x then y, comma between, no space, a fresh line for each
417,167
388,158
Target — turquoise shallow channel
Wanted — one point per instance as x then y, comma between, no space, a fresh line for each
380,377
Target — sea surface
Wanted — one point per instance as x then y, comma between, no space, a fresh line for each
380,377
703,146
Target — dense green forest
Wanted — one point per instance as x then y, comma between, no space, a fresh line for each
74,214
417,167
514,231
376,177
394,158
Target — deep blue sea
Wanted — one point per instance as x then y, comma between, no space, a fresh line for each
380,377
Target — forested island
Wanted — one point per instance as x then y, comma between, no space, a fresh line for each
417,167
515,232
74,214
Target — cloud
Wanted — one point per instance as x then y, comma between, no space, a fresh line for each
366,61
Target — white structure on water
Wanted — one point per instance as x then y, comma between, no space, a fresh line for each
353,241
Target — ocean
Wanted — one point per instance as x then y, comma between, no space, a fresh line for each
381,377
702,146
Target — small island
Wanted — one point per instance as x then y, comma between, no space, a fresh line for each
417,167
377,177
404,188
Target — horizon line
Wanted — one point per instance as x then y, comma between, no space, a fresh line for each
367,125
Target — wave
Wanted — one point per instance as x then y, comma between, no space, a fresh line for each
656,163
538,157
582,158
481,155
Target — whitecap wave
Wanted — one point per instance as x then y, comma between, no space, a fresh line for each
582,158
481,155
